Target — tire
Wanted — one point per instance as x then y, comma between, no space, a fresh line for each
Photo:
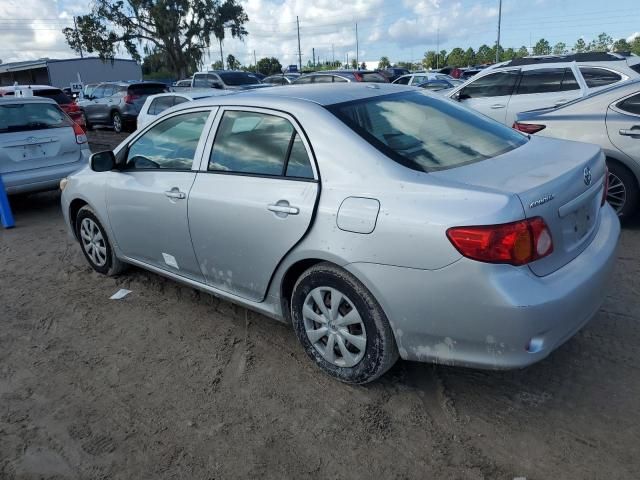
87,125
117,123
363,349
95,244
623,190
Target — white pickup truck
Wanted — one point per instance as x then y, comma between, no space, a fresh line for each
221,79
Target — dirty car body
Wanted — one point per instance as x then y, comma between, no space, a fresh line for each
394,189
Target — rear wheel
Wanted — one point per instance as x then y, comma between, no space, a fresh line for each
341,326
116,121
623,190
95,244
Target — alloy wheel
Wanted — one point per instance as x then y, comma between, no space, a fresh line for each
334,326
617,193
117,123
93,242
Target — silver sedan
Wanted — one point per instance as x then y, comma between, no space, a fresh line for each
380,221
609,118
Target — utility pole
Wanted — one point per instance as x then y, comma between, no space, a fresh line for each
221,57
333,55
299,52
438,47
75,26
357,48
314,57
498,42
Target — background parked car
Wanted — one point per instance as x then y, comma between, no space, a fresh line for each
468,73
222,80
414,79
503,90
341,76
117,104
154,105
39,144
283,79
66,103
393,73
439,85
183,83
609,118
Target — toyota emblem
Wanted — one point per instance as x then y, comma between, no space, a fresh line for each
587,176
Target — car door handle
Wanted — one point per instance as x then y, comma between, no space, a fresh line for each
497,105
286,209
175,193
560,102
631,132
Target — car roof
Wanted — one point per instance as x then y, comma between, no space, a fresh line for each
12,88
321,94
14,99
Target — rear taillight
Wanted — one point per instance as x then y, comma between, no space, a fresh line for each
129,98
71,107
81,137
529,128
516,243
357,76
605,184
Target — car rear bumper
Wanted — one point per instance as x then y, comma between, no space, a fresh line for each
44,178
492,316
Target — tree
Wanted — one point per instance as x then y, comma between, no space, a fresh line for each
469,57
621,45
635,45
542,47
508,54
354,64
429,60
178,29
601,44
456,58
580,46
485,54
522,52
232,63
560,48
384,63
217,65
269,66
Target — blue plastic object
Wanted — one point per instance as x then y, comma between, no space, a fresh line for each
5,209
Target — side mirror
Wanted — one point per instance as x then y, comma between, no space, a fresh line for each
103,161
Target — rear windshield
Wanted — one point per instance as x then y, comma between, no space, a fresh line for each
238,78
373,78
55,94
425,133
22,117
147,89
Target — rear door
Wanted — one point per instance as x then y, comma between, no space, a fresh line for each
490,94
623,125
35,135
253,199
542,88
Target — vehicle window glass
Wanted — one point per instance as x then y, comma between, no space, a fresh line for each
373,77
177,100
55,94
599,77
545,80
434,85
299,164
631,105
98,92
160,104
171,144
337,79
493,85
569,81
424,133
22,117
250,142
305,79
419,79
202,81
403,80
108,91
322,79
635,68
238,78
147,89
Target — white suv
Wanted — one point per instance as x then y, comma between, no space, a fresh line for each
506,89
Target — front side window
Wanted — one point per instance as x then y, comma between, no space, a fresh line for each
547,80
599,77
425,133
171,144
235,79
98,92
631,105
260,144
493,85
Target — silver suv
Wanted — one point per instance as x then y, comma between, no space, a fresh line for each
506,89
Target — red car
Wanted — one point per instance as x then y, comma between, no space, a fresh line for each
66,103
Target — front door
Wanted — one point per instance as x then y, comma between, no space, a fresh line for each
147,200
490,94
252,201
623,126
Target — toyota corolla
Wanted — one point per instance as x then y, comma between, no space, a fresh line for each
379,221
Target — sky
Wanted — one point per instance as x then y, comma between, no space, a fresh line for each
402,30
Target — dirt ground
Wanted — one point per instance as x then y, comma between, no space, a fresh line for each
173,383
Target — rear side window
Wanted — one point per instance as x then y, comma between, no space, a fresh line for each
493,85
258,143
21,117
403,81
147,89
546,80
305,79
171,144
322,79
178,100
160,104
55,94
630,105
425,133
337,79
373,77
599,77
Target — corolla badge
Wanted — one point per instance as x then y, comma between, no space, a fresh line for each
541,201
587,176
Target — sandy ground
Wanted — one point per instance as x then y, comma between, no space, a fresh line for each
173,383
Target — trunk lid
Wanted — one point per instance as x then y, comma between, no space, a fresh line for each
557,180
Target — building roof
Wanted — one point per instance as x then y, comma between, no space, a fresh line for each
43,62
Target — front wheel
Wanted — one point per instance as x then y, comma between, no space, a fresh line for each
116,121
623,190
341,326
95,244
